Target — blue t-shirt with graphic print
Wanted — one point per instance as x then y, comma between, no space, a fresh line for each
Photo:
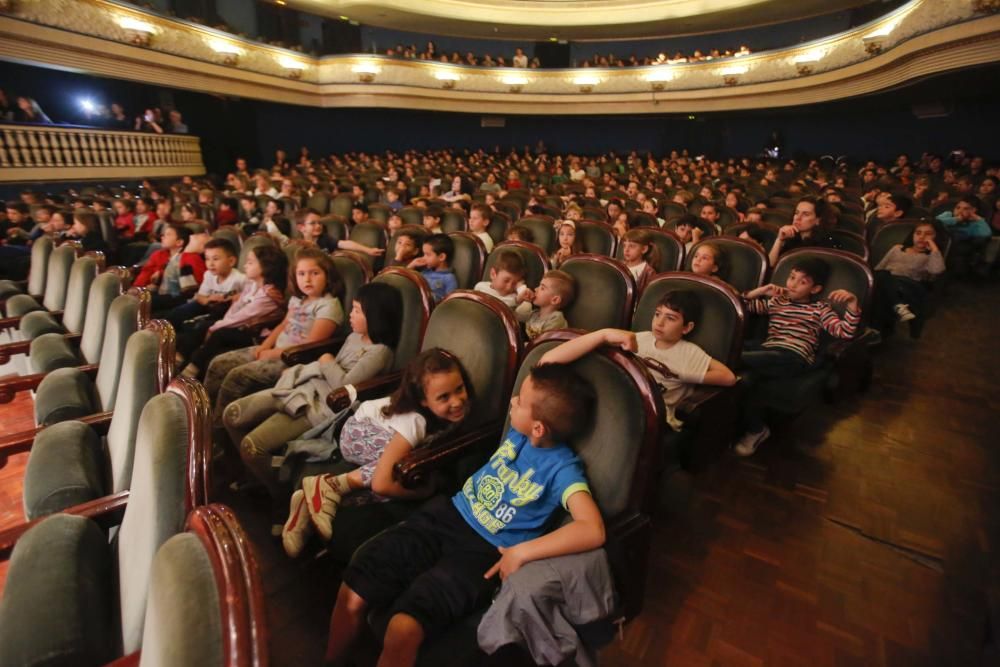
511,499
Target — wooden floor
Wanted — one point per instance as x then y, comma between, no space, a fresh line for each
863,534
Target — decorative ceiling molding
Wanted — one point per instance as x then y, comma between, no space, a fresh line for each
920,38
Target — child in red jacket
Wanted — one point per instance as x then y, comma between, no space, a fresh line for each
174,274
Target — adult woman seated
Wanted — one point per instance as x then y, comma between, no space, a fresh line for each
810,228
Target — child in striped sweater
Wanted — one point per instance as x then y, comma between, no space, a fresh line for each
795,322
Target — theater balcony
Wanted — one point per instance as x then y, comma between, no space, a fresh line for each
107,38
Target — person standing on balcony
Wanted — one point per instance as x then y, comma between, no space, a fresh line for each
177,125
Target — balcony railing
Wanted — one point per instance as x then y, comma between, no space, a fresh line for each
70,153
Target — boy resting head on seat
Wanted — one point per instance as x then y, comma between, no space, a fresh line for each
507,282
442,563
676,364
556,291
795,320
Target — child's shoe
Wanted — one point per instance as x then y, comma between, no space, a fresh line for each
322,500
904,313
297,528
748,444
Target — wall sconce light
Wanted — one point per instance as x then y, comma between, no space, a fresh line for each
658,80
293,67
986,6
731,75
447,79
138,32
586,83
366,72
875,40
516,83
230,52
805,62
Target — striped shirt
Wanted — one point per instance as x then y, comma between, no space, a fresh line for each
796,326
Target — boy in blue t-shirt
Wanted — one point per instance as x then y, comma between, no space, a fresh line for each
435,265
439,565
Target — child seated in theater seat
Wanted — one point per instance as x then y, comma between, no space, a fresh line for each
795,321
408,243
675,363
688,231
380,433
901,277
569,243
479,221
640,255
435,265
174,274
710,260
507,282
432,220
556,291
443,562
310,225
222,282
520,233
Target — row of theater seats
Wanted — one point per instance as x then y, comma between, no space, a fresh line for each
150,575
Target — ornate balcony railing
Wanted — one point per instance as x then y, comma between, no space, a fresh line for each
70,153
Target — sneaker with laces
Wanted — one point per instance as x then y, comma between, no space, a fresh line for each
904,313
748,444
298,527
322,500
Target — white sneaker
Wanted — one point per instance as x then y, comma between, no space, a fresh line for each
748,444
322,501
904,313
297,528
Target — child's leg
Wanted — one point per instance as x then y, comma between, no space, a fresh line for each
220,367
223,340
257,446
345,623
185,311
245,379
402,641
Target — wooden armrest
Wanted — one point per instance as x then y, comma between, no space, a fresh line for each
258,324
840,350
412,470
24,347
339,399
10,387
703,399
308,352
130,660
15,443
106,510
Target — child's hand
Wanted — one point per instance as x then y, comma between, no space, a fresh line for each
933,246
511,560
526,294
624,339
275,294
786,232
418,263
326,358
844,297
375,252
696,234
270,353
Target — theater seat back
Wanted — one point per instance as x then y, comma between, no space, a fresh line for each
81,277
123,320
536,262
41,250
468,260
605,293
60,266
417,304
747,263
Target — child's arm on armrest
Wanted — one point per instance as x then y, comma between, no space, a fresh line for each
584,533
574,349
719,374
382,480
347,244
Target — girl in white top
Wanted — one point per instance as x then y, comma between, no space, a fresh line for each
432,397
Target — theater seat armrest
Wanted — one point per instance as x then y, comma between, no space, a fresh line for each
107,511
309,352
840,350
255,326
339,399
703,400
10,387
15,443
414,469
628,546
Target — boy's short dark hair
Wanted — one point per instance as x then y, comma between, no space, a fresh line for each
901,201
18,206
416,234
815,268
509,261
524,232
563,284
441,244
682,301
971,200
687,219
565,401
434,212
222,244
183,233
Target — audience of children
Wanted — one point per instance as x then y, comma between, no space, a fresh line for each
173,273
